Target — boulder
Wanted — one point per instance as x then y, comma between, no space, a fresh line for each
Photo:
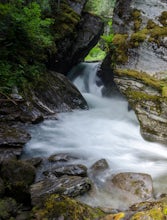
62,157
8,208
2,187
55,93
51,94
17,177
99,166
65,208
139,184
12,140
140,60
66,185
12,136
75,35
70,170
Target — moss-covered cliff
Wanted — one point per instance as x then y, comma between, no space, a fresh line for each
139,60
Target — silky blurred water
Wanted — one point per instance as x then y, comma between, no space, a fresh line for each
107,130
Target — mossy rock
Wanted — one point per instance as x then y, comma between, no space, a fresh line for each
8,209
150,210
61,207
163,18
17,177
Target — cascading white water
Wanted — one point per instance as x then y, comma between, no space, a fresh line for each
107,130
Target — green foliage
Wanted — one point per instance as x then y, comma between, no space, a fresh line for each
95,54
103,8
24,38
103,47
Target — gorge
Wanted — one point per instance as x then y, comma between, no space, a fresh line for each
79,133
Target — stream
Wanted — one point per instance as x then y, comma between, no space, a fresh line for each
107,130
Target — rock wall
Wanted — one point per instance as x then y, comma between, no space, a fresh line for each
76,33
140,60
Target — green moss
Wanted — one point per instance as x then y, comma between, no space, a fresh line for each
141,96
65,21
138,37
150,210
136,17
163,18
68,209
152,32
121,47
8,208
158,31
151,24
164,91
144,77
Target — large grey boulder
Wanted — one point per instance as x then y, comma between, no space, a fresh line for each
141,62
66,185
77,31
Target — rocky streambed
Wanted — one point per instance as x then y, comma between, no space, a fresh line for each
52,188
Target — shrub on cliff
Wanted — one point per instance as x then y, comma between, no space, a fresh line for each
24,38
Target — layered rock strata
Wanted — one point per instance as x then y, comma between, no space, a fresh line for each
140,60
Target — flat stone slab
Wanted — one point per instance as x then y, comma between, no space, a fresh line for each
71,186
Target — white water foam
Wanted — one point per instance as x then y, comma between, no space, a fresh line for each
107,130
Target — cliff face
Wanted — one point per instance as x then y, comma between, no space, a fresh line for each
76,32
140,60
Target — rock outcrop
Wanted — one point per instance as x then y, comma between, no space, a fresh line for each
140,60
76,33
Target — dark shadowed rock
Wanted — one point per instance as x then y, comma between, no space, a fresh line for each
71,170
2,187
72,51
77,6
8,208
61,158
17,177
12,140
55,93
36,161
12,136
66,185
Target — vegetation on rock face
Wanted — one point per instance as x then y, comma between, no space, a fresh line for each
25,36
57,206
151,33
104,9
30,32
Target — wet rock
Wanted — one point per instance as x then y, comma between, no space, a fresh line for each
55,93
2,187
97,172
118,216
106,74
99,166
72,51
71,170
9,153
137,184
66,185
61,158
12,136
36,161
17,177
140,62
149,210
8,209
12,140
65,208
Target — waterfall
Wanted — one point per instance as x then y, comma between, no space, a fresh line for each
107,130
